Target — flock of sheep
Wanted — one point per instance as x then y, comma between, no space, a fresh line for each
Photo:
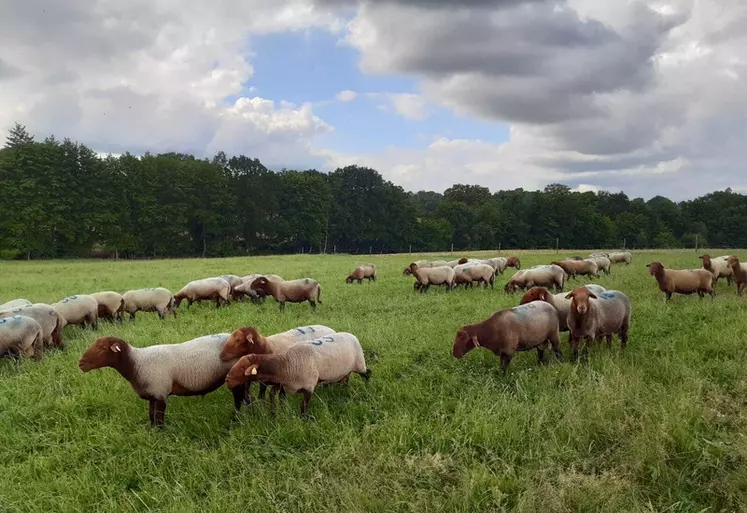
301,358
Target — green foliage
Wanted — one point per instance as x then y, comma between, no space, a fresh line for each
659,428
62,200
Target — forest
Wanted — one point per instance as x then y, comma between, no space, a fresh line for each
62,200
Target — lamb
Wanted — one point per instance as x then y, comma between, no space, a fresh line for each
305,365
443,275
81,309
593,316
156,372
719,267
20,335
559,301
365,271
739,271
620,256
672,281
480,273
294,291
50,320
207,289
603,263
521,328
234,281
575,268
157,299
15,303
513,262
111,305
541,276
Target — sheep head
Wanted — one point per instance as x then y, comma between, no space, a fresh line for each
580,299
104,352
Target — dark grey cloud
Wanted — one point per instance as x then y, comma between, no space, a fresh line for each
432,4
7,70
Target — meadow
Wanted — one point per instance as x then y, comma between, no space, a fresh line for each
660,427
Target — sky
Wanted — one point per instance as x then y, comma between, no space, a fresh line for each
641,96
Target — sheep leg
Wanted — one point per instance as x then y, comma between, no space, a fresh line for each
305,403
238,398
609,340
282,306
132,316
247,393
159,413
262,390
313,304
365,375
541,355
505,360
669,296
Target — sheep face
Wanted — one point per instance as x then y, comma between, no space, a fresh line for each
463,343
513,262
236,376
580,299
462,261
534,294
413,267
240,342
406,272
732,262
349,279
260,283
655,268
104,352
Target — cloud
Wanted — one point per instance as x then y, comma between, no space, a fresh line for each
409,106
152,75
346,96
622,90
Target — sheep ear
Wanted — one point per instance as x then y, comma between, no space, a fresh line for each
116,348
569,295
249,338
592,295
475,342
701,257
543,296
251,371
649,265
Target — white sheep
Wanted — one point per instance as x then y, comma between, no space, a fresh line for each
79,309
111,305
15,303
443,275
50,320
20,335
207,289
156,299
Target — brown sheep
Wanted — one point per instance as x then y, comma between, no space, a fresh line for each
521,328
293,291
365,271
514,262
575,268
592,317
672,281
739,271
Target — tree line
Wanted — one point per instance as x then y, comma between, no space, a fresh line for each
60,199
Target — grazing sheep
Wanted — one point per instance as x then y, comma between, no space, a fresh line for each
480,273
603,263
540,276
591,316
15,303
514,262
498,264
521,328
50,320
156,372
420,263
719,267
559,301
739,272
20,335
293,291
672,281
365,271
575,268
443,275
620,257
207,289
81,309
450,263
599,254
157,299
303,366
111,305
234,281
256,295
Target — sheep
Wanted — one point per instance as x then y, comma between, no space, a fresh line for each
521,328
739,272
719,267
450,263
80,309
514,262
248,340
443,275
234,281
420,263
460,278
498,264
156,299
21,335
480,273
575,268
541,276
156,372
603,263
594,316
207,289
256,295
672,281
559,301
15,303
111,305
365,271
302,367
598,254
294,291
50,320
620,257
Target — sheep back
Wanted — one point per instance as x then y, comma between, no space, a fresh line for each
79,309
20,335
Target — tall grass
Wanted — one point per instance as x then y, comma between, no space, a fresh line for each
659,428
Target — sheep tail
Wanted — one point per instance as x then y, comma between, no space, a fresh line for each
319,294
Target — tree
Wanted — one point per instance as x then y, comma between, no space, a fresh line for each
18,137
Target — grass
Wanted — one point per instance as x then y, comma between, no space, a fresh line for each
659,428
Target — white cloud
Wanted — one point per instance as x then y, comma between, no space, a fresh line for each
409,106
346,96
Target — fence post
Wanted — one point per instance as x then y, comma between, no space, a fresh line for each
499,248
452,247
625,242
410,249
370,251
557,243
334,249
696,242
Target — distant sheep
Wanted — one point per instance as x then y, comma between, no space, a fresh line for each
540,276
81,309
719,267
111,305
365,271
621,257
592,317
477,272
207,289
521,328
514,262
575,268
603,263
234,281
292,291
739,272
672,281
157,299
443,275
15,303
498,264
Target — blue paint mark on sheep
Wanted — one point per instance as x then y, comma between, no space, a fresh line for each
524,309
320,341
71,298
301,331
607,295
